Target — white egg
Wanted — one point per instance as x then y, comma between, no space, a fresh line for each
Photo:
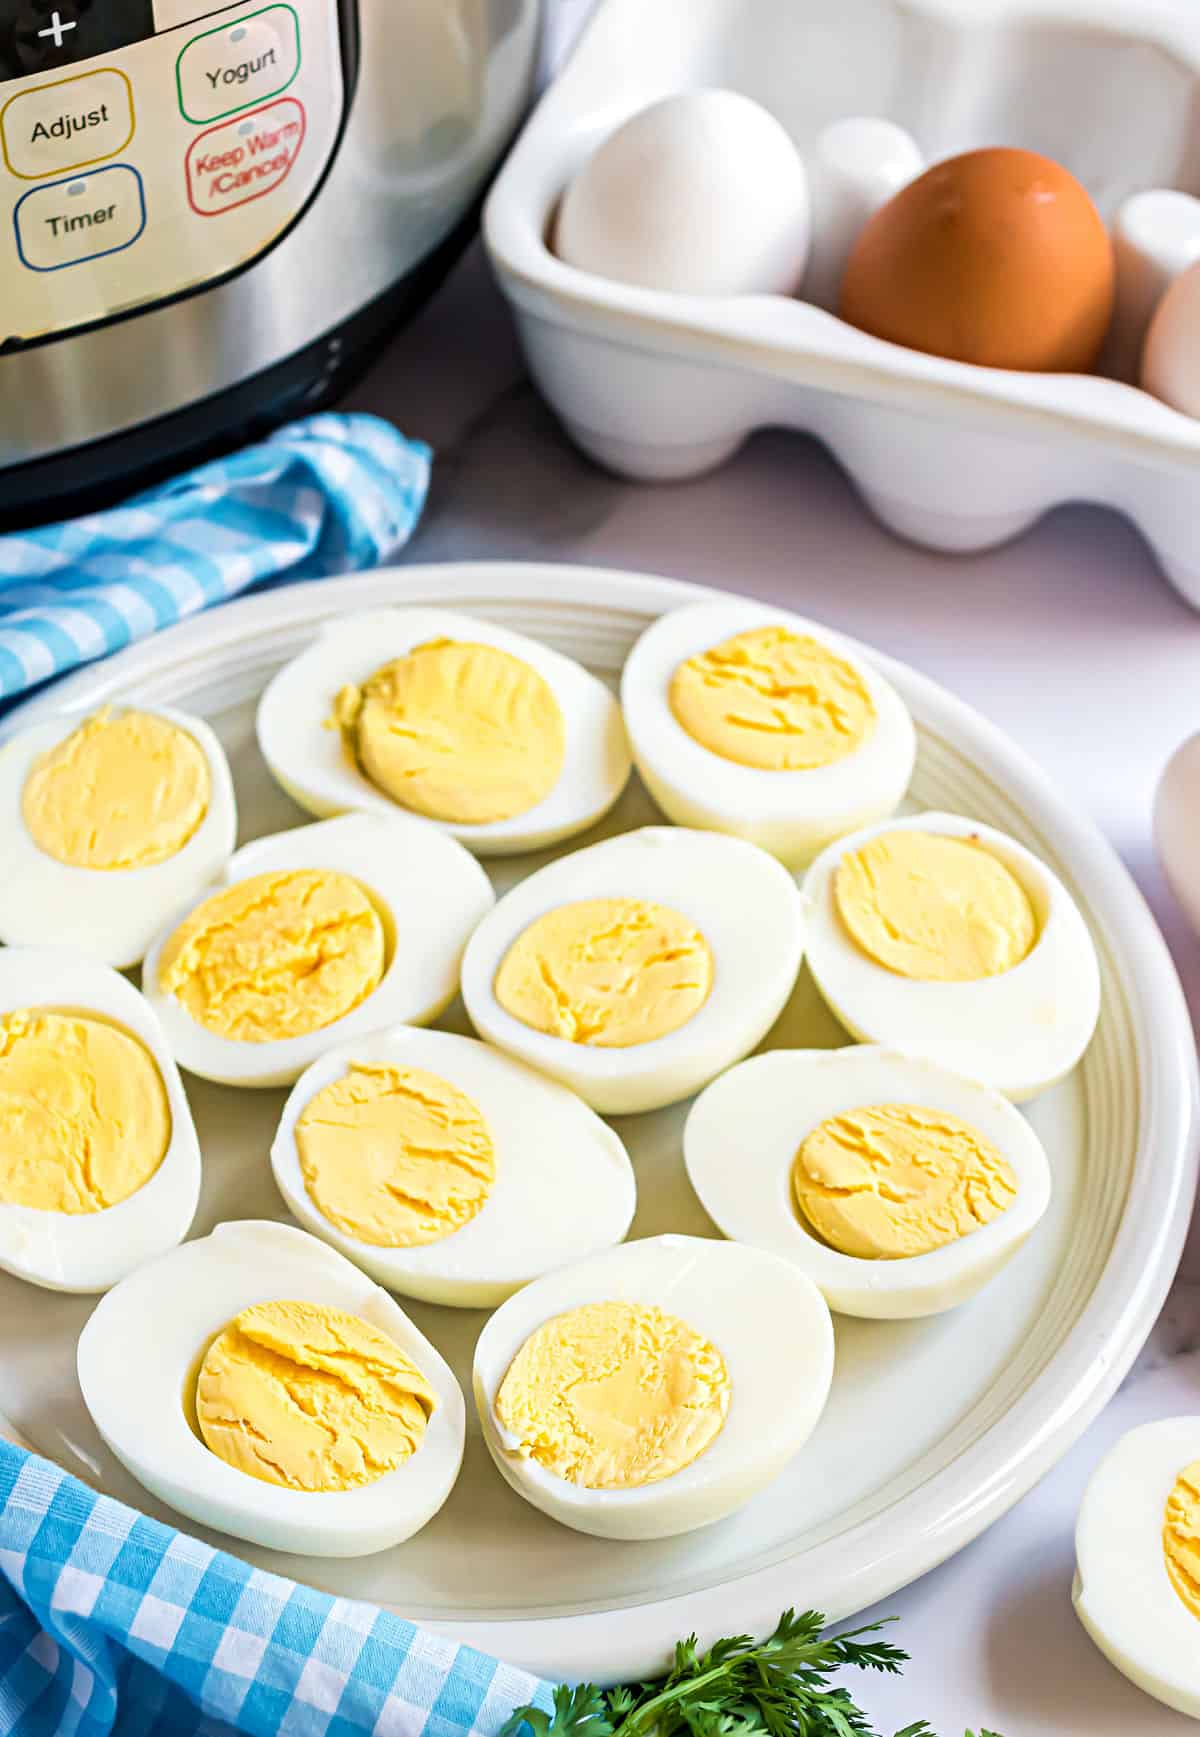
740,1143
745,905
1018,1031
310,761
1177,826
429,893
1123,1593
770,1325
564,1185
793,814
89,1251
140,1352
701,193
1170,366
110,914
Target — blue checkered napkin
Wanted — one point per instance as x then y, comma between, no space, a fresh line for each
326,495
111,1622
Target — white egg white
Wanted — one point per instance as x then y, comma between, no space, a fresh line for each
140,1353
1018,1032
564,1185
89,1251
791,814
744,1130
745,904
430,893
770,1324
109,914
1122,1593
310,760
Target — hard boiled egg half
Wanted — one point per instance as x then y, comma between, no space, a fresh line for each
312,937
945,938
507,745
655,1388
900,1189
110,822
99,1164
749,720
447,1170
257,1382
1137,1555
636,969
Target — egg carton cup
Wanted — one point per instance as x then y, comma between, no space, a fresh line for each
659,386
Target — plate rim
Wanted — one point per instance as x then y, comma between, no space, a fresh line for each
943,1513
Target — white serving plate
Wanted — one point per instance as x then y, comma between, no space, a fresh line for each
953,456
934,1427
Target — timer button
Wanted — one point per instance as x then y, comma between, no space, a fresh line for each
238,65
80,218
68,124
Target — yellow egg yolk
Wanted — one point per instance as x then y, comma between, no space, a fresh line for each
84,1116
121,792
276,955
455,731
615,1395
1181,1537
607,972
395,1156
773,699
934,908
311,1398
898,1180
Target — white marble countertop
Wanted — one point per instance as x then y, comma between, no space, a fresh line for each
1070,640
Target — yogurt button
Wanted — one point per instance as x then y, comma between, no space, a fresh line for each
238,65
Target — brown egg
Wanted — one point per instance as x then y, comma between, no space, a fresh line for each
997,257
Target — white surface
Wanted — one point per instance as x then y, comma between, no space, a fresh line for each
975,1405
659,385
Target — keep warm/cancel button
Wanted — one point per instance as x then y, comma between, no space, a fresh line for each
244,158
68,124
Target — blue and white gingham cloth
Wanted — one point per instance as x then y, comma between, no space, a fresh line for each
326,495
112,1622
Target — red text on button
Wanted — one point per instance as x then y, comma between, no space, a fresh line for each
245,157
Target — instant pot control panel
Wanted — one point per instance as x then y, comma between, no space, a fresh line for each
148,147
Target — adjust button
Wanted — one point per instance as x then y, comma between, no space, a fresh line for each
238,65
80,218
67,124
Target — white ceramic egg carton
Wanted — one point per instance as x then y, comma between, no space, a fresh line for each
662,386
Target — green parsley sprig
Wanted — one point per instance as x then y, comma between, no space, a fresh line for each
739,1687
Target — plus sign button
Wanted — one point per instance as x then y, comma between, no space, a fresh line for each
39,35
